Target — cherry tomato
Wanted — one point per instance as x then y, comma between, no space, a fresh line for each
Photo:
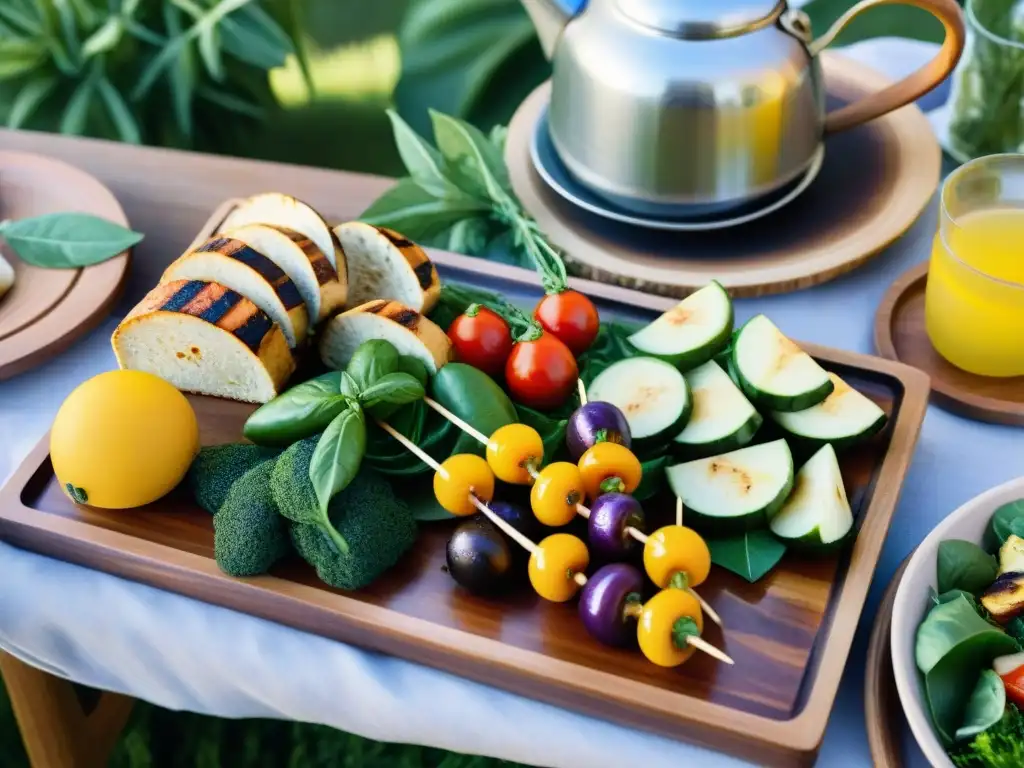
482,339
541,372
571,317
512,451
1011,671
459,476
609,461
666,620
552,567
673,550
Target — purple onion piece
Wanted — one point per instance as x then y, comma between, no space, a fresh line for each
610,515
603,603
592,423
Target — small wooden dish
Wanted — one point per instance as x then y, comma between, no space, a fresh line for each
883,713
900,335
874,183
48,309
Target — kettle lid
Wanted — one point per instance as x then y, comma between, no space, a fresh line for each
702,19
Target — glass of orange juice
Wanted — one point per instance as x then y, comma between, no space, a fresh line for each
974,304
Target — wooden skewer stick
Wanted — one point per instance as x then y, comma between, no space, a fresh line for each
466,427
582,390
409,445
679,512
703,645
507,529
711,613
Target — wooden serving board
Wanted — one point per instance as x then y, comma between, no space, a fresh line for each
789,634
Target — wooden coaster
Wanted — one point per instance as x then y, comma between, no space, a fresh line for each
883,712
875,182
900,335
48,309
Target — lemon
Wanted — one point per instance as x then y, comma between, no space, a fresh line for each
123,439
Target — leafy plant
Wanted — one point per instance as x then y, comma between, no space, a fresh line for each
142,71
1006,521
964,565
1000,746
985,707
66,240
751,555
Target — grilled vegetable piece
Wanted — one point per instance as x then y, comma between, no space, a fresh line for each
774,372
249,535
692,332
1005,598
315,278
235,265
817,513
652,394
843,418
410,332
722,418
383,264
203,338
280,210
217,467
1011,555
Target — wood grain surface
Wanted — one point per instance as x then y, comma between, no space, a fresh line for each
790,633
875,182
48,309
883,712
900,334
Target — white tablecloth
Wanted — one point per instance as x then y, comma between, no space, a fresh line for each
184,654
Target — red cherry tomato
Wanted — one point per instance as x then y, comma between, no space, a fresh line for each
1013,681
482,339
541,372
571,317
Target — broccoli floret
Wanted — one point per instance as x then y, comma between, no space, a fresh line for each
1001,746
249,534
378,527
1015,629
217,467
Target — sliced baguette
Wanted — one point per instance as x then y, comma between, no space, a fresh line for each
235,265
204,338
302,261
383,264
6,276
288,212
410,332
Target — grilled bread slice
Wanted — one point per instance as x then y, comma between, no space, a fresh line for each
302,261
205,338
290,213
383,264
6,276
237,266
410,332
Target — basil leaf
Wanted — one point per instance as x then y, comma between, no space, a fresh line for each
372,360
964,565
348,387
470,159
985,707
338,455
302,411
390,393
67,240
419,215
422,161
1007,520
750,555
469,236
415,368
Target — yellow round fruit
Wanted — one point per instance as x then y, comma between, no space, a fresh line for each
123,439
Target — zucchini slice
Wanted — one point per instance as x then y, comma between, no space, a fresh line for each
722,418
774,372
843,418
737,491
692,332
652,395
817,514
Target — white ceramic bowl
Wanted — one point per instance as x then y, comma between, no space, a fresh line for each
913,599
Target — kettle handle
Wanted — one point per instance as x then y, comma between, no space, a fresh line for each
911,87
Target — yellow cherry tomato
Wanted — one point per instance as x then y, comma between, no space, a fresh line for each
556,492
607,461
461,475
658,632
673,550
511,450
552,567
123,439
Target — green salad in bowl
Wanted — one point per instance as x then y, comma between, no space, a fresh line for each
958,635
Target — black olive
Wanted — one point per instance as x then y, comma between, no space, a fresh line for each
479,557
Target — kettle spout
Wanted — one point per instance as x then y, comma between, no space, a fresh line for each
549,18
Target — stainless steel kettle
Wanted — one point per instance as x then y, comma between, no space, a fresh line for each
679,106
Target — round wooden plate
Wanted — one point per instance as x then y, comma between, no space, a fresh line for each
875,182
47,309
883,713
900,335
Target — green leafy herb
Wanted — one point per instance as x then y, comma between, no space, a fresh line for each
953,645
348,386
78,495
415,368
964,565
1015,629
652,481
1000,746
953,594
66,240
334,465
373,360
1007,520
985,707
751,555
302,411
390,392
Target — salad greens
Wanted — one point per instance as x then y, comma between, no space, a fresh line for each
966,566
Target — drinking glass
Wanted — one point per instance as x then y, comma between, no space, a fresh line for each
974,304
